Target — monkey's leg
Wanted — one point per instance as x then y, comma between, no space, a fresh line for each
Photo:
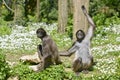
38,67
87,65
77,65
47,61
58,60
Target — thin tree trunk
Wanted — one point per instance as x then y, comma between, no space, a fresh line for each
18,14
15,12
62,15
38,11
7,6
80,22
71,6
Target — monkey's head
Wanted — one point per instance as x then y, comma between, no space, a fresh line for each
41,33
80,35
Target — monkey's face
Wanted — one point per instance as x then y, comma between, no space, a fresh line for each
40,33
80,35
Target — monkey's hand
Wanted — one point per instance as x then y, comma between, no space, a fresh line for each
84,9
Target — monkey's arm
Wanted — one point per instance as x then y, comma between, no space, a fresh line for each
90,21
70,51
65,53
39,50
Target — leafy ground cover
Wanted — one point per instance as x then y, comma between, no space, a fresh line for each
23,40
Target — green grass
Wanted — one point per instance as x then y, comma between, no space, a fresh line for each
5,30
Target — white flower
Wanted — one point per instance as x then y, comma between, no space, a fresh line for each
118,39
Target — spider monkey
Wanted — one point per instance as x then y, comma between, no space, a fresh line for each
81,47
48,51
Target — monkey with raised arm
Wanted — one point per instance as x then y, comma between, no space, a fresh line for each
83,58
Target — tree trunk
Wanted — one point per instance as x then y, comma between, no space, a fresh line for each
62,15
80,22
38,11
71,6
18,13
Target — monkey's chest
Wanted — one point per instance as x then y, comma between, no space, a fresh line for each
83,51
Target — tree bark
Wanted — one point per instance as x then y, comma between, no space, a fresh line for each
80,22
62,15
71,6
18,13
38,11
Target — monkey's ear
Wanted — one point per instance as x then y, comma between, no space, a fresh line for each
82,7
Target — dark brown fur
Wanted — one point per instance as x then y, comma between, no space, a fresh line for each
48,51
